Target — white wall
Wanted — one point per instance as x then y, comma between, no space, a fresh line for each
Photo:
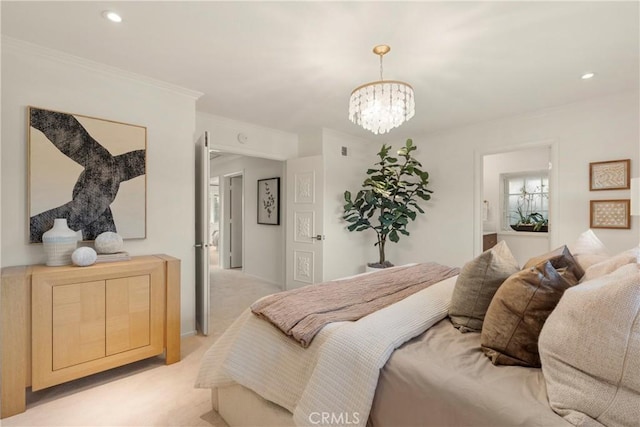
43,78
345,253
260,141
263,244
600,129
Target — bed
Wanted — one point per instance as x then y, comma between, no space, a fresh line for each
402,365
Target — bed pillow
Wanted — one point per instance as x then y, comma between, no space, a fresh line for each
476,285
521,306
609,265
560,258
635,251
590,351
589,250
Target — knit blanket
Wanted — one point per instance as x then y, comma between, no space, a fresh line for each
301,313
337,373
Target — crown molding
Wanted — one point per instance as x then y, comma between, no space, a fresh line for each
239,124
10,44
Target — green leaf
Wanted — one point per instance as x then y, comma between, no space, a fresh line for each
393,236
369,197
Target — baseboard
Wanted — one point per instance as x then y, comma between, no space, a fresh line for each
188,334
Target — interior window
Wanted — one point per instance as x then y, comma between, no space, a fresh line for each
526,199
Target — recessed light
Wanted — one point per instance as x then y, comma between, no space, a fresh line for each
112,16
587,76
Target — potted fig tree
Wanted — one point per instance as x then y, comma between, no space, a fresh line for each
389,198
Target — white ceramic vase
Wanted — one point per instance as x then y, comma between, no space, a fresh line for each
59,243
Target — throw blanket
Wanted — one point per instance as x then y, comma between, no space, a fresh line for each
301,313
337,373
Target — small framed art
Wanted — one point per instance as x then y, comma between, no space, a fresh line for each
269,201
610,175
610,214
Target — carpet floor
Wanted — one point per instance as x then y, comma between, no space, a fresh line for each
148,393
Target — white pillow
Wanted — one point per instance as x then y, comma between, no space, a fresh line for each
590,351
635,251
588,250
609,265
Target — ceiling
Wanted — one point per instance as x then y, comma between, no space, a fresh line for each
292,65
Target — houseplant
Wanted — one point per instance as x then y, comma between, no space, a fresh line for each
528,219
389,198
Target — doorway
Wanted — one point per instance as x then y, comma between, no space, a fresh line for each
259,249
235,220
506,179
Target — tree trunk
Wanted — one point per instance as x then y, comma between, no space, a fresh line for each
381,250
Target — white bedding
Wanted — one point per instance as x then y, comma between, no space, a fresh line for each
336,376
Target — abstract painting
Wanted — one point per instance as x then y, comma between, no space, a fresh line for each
269,201
90,171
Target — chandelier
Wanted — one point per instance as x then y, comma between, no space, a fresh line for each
382,105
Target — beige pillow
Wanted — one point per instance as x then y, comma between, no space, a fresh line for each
635,251
477,282
589,250
590,351
609,265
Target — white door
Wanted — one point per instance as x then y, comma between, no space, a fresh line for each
305,195
236,221
203,235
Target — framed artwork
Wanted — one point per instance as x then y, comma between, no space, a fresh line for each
269,201
610,175
90,171
610,214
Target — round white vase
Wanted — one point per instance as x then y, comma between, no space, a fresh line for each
59,243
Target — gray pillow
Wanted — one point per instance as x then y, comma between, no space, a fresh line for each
561,258
590,351
477,282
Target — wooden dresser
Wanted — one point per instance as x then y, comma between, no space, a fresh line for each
489,240
63,323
